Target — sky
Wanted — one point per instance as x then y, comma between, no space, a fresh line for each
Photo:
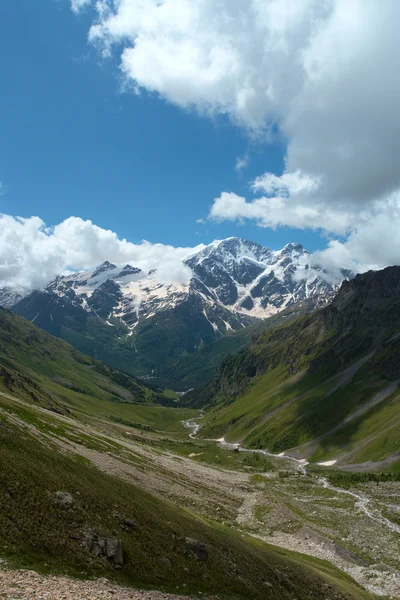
179,122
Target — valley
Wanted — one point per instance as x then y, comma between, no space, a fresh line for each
199,300
280,501
281,471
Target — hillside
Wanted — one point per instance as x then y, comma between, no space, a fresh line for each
97,503
324,387
53,374
198,368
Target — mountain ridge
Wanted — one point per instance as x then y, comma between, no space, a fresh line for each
147,318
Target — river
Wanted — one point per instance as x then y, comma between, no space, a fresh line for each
362,501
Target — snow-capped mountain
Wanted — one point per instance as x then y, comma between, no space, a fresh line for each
130,295
10,296
255,280
242,276
134,320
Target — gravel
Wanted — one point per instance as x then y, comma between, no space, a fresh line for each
29,585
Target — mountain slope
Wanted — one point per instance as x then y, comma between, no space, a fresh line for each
325,386
199,367
73,519
55,375
141,348
135,321
61,513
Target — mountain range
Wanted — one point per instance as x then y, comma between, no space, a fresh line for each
137,321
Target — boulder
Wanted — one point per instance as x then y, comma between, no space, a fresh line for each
197,548
63,499
108,548
127,523
166,562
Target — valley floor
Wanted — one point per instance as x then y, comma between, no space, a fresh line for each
270,498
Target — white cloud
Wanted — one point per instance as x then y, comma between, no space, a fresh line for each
286,185
78,5
31,254
373,244
277,211
242,162
322,72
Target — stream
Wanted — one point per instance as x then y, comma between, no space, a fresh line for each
362,502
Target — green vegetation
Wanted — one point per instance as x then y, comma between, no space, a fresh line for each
198,368
207,452
53,374
147,350
39,531
325,384
345,479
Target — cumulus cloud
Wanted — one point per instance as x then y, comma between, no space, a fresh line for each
322,73
78,5
373,244
286,185
32,254
276,211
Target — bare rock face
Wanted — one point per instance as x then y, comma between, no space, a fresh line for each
108,548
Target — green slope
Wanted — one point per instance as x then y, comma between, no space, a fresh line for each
153,345
198,368
53,374
37,531
325,385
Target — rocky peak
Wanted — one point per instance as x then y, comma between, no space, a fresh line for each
9,296
294,247
369,289
105,266
129,270
230,250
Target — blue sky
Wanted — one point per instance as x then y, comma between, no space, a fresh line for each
72,143
97,163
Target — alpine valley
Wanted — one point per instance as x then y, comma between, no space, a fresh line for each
138,322
275,478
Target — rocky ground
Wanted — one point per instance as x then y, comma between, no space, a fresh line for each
28,585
